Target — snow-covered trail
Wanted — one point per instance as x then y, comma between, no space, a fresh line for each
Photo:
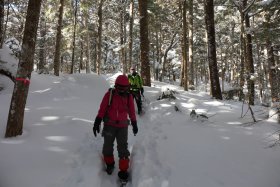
58,148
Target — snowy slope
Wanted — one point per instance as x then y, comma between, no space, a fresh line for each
58,148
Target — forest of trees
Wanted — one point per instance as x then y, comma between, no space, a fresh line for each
198,42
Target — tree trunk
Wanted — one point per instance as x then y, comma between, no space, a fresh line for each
42,41
99,43
184,47
190,27
58,40
131,20
212,58
144,42
242,49
2,3
74,36
25,67
123,36
249,63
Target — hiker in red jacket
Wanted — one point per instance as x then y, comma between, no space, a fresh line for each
116,106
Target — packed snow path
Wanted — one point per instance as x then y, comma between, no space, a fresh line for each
58,148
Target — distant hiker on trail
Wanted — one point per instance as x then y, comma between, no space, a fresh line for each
116,106
136,87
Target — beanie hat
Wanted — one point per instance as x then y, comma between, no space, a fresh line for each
122,80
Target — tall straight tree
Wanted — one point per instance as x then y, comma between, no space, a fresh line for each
123,35
25,67
99,44
74,36
184,46
58,40
212,58
1,22
249,62
131,20
144,42
190,27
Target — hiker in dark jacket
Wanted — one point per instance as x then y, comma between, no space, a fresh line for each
116,106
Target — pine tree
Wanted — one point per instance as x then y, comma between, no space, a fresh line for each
25,67
213,69
58,40
2,3
144,42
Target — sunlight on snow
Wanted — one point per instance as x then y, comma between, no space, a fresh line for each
42,91
225,137
56,149
188,105
165,105
9,141
50,118
57,138
80,119
234,123
213,103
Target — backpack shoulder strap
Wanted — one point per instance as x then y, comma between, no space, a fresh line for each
111,90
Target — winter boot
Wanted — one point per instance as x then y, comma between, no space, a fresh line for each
123,165
123,175
110,164
110,168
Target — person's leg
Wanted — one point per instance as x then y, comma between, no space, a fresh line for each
109,134
123,152
138,102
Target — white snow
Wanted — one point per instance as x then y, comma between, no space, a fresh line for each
58,148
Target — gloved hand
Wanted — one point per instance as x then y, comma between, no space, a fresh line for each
134,127
96,125
142,90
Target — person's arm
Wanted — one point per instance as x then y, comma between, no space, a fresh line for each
103,105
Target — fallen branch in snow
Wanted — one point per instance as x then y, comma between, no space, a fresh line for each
249,108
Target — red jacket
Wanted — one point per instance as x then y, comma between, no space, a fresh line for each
118,111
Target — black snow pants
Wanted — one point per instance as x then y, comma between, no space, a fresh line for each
111,133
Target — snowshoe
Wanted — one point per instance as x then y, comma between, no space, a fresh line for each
123,176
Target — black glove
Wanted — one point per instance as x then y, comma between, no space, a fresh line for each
96,125
134,127
142,90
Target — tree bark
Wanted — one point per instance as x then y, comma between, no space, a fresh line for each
249,63
212,58
184,47
25,67
99,43
58,40
42,41
144,42
74,36
131,20
2,3
190,45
